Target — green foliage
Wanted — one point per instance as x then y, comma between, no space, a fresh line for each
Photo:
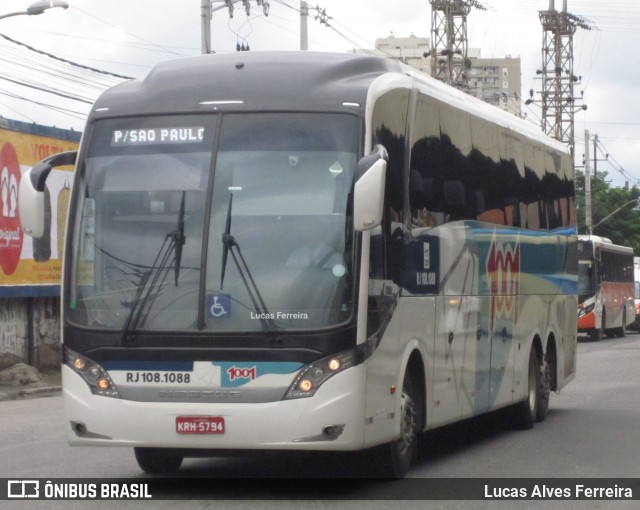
623,226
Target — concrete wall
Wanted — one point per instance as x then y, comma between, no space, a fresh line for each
30,329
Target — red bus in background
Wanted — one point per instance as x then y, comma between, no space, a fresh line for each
605,287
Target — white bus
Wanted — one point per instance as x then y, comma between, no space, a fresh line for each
300,251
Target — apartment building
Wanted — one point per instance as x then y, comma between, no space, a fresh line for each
494,80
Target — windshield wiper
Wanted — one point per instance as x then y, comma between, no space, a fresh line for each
179,239
225,245
152,280
230,245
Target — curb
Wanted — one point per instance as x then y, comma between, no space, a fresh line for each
36,391
18,394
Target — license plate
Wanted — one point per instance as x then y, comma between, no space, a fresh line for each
200,425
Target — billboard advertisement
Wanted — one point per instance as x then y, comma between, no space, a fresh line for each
29,266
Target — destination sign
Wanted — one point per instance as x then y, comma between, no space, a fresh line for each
157,136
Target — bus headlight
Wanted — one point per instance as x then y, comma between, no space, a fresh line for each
587,309
93,374
316,374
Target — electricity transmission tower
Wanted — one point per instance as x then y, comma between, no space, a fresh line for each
558,101
449,40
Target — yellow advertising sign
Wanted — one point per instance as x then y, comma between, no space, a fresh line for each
26,261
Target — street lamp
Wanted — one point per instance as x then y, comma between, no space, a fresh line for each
37,8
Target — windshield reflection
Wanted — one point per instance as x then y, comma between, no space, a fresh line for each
290,216
290,179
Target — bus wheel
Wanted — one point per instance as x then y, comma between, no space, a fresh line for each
602,332
597,334
622,330
526,411
157,460
394,459
544,390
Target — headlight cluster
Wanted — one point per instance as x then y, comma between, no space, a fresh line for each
587,309
94,375
316,374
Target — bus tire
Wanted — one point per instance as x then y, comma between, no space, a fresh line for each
394,459
157,460
544,390
597,334
621,332
526,412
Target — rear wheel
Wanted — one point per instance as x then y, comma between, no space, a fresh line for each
157,460
544,390
526,412
621,332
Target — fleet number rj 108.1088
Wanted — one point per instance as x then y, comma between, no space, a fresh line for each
158,377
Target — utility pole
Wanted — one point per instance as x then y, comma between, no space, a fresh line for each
207,10
206,14
558,101
449,40
595,155
587,184
304,30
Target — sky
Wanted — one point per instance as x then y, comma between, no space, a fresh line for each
127,37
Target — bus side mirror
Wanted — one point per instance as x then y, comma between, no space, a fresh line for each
31,198
368,199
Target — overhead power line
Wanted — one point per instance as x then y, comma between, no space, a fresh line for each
615,164
47,89
70,62
42,72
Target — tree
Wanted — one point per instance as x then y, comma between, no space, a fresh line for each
623,227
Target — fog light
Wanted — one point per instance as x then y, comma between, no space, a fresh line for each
332,432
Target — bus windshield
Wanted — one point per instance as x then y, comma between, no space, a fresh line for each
228,224
586,283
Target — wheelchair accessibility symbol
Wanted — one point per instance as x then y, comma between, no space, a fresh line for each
218,306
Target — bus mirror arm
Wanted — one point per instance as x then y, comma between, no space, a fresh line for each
31,197
368,199
40,171
366,162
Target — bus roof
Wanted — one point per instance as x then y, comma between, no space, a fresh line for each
605,243
284,81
